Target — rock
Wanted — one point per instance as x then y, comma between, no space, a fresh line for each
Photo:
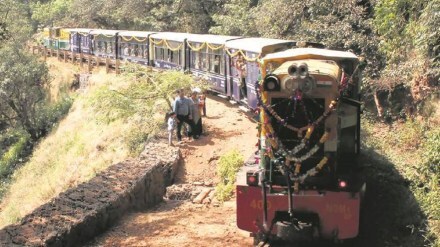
81,213
202,195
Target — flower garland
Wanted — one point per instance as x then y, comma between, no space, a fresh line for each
283,122
164,41
172,48
214,48
134,38
312,172
234,54
156,42
195,48
82,34
289,155
107,36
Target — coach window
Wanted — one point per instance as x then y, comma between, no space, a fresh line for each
216,61
132,50
137,50
174,57
205,59
109,49
84,40
98,46
144,51
159,52
196,59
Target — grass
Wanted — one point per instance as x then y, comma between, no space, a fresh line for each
108,123
15,144
414,149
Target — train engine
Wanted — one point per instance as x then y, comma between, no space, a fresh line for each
304,183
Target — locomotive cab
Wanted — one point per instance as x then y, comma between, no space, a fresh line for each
308,186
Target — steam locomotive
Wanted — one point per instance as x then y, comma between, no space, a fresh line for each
303,183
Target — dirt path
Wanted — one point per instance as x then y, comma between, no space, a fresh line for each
182,223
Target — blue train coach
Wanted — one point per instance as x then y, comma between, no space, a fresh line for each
244,55
133,46
206,58
80,40
105,43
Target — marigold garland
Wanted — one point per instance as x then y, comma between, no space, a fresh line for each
281,121
134,38
234,54
195,48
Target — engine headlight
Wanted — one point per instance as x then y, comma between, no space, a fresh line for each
289,84
308,84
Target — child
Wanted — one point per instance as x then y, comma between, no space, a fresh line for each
171,126
202,104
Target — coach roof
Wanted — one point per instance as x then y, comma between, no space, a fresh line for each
79,30
135,34
180,37
255,44
104,32
303,53
212,39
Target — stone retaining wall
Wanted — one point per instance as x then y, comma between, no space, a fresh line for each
82,213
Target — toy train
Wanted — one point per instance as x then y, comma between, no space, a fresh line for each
230,63
304,183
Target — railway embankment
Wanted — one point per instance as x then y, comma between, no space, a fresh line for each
87,210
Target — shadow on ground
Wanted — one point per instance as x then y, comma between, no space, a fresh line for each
390,214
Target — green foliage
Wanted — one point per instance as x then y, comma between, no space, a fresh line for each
51,114
22,88
431,151
234,19
50,13
414,149
15,23
143,103
227,169
13,156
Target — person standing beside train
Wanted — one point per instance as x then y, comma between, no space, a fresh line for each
202,103
182,107
197,119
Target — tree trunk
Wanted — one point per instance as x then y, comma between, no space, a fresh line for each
378,105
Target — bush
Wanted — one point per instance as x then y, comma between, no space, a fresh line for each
11,158
50,115
227,169
431,151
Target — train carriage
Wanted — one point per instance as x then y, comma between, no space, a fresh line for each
46,37
305,183
134,46
243,56
56,38
168,50
206,58
80,40
105,43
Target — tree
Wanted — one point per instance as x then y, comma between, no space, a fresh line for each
51,12
235,18
22,81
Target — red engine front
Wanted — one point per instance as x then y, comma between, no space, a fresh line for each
304,182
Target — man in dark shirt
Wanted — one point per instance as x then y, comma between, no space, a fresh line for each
182,107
